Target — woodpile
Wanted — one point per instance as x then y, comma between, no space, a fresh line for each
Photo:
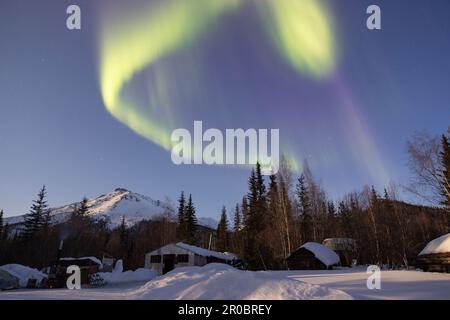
434,262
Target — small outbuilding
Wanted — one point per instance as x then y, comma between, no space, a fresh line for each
312,256
435,257
88,266
180,254
345,249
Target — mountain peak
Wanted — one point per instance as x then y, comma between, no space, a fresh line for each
115,205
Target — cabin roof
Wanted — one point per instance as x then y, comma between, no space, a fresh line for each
327,256
203,252
438,245
93,260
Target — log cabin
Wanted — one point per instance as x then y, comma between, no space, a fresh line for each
180,254
435,257
312,256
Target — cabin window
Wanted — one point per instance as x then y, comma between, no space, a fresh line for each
155,259
182,258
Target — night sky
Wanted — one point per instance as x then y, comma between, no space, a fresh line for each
87,111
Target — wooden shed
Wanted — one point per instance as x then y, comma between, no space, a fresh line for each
435,257
312,256
345,248
88,266
180,254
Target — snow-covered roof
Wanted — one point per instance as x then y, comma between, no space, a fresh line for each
439,245
23,273
327,256
93,259
206,253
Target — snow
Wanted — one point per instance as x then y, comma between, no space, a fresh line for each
217,281
128,276
202,282
113,206
327,256
439,245
118,276
23,273
93,259
395,285
207,253
118,267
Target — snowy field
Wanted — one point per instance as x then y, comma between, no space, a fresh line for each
395,285
222,282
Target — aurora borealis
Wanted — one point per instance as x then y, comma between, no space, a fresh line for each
343,97
300,30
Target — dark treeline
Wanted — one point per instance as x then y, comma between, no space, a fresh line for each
37,242
285,211
277,215
274,220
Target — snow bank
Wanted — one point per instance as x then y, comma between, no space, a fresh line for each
119,266
327,256
206,252
220,281
439,245
23,273
128,276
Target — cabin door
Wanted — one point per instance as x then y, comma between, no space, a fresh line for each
169,263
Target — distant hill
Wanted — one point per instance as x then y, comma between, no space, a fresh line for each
115,205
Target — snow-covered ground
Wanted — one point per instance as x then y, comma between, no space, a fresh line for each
395,285
221,282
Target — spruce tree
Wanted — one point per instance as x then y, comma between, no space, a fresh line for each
5,232
123,235
83,209
257,201
34,220
257,219
273,196
237,219
305,208
191,221
252,199
445,170
251,228
330,220
374,213
1,224
80,215
181,229
222,232
46,219
331,209
244,210
261,188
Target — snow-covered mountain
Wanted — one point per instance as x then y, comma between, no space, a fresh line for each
117,204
